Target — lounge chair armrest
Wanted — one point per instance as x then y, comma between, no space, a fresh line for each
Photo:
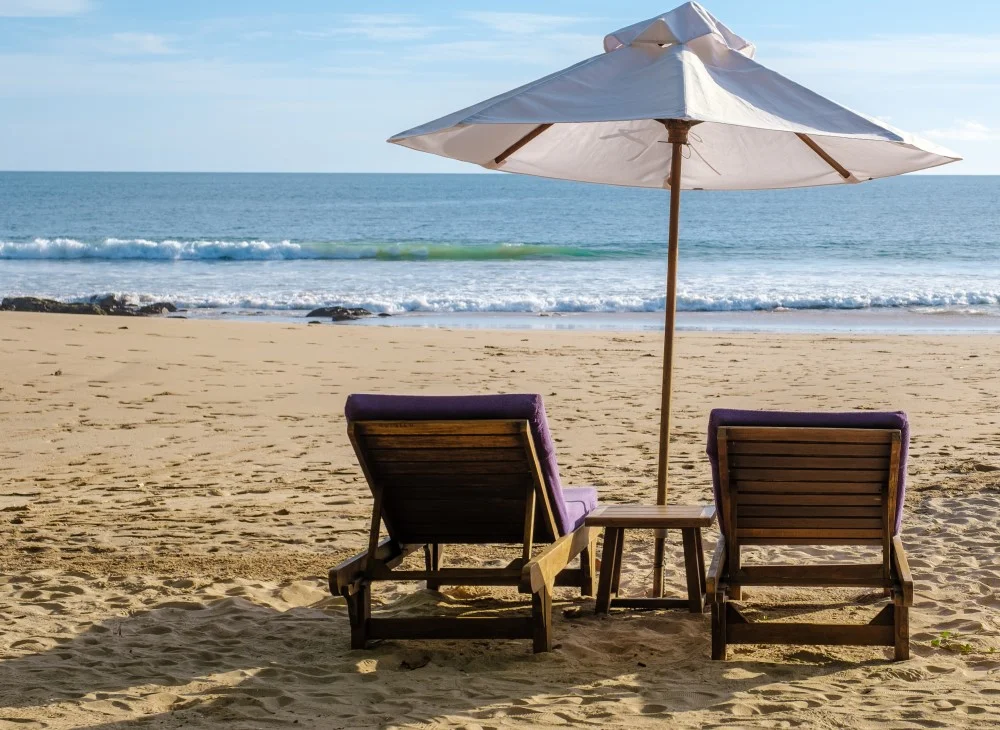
542,569
902,567
713,581
348,573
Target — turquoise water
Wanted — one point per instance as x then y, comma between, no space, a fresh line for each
437,244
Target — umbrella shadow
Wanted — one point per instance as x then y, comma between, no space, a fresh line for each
234,660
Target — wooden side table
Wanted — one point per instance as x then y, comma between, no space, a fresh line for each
616,518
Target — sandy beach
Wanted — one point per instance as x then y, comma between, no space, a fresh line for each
173,492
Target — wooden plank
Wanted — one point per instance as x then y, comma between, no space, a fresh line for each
772,540
797,511
787,448
649,603
902,569
652,516
807,475
444,441
468,427
456,576
832,523
844,500
812,487
714,578
814,634
810,575
543,568
851,463
514,453
445,468
500,484
438,627
807,435
809,533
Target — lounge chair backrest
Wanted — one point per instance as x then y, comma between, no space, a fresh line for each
494,467
458,481
786,485
846,457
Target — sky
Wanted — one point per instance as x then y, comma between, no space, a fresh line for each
314,86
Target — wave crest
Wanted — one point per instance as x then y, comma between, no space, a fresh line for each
141,249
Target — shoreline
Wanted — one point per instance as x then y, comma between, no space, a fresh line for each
811,321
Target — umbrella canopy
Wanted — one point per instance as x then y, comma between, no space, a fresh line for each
596,121
624,117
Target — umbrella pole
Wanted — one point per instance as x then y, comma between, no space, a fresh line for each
677,136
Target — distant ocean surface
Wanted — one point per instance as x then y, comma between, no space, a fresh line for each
280,244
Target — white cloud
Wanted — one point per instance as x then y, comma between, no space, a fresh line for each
42,8
139,44
935,55
557,50
966,130
379,27
522,23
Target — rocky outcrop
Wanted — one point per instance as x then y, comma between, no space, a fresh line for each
97,305
340,314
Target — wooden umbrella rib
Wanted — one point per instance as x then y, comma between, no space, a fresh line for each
811,144
502,157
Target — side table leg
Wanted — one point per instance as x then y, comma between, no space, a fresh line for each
694,568
611,537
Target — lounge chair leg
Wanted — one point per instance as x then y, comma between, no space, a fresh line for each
432,560
901,631
719,628
735,593
541,613
588,571
359,610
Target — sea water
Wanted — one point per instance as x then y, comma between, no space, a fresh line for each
440,248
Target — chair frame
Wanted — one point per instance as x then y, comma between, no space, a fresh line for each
534,572
822,514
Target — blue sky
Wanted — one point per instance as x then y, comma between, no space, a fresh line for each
318,86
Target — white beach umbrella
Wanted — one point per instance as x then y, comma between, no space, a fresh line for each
681,79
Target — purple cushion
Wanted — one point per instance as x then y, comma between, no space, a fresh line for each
853,419
369,407
580,502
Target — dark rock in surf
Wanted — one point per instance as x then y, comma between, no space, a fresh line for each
109,304
35,304
340,314
157,308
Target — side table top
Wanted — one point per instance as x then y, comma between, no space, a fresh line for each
652,516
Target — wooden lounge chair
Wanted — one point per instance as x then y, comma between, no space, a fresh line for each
464,470
809,479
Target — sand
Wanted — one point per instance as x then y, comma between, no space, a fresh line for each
172,493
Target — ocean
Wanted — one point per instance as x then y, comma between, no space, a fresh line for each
918,252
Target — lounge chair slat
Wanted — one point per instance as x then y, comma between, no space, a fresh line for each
443,441
751,485
469,427
872,534
809,435
425,468
801,510
808,475
848,523
511,483
875,541
851,463
844,500
789,448
472,454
